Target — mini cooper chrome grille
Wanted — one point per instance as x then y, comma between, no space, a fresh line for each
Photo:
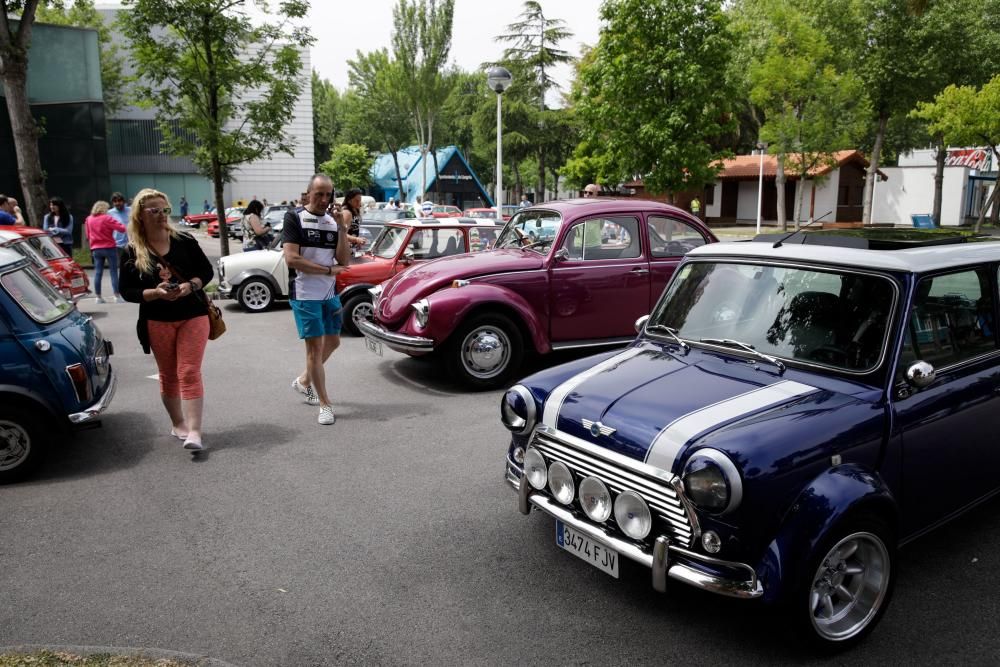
659,495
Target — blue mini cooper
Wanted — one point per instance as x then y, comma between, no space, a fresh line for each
55,370
789,415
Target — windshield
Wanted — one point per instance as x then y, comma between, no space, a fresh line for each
387,245
38,299
23,248
831,318
533,229
46,247
387,215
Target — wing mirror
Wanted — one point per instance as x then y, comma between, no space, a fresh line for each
408,257
640,323
920,374
561,255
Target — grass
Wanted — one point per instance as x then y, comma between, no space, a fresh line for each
83,258
57,659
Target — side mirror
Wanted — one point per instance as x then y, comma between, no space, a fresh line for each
640,323
407,257
561,255
920,374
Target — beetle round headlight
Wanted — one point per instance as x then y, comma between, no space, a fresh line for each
517,410
535,469
712,482
632,515
595,499
561,483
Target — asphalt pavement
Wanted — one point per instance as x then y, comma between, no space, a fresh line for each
387,538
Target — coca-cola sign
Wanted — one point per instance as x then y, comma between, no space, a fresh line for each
974,158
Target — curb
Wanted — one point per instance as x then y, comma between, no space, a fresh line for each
154,653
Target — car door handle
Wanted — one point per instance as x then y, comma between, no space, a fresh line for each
637,271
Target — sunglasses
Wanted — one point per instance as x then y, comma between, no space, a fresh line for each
587,193
153,210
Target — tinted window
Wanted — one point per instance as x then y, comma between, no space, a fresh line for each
603,238
431,243
672,238
951,320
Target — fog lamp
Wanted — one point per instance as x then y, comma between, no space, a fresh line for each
595,499
534,468
711,542
632,515
519,455
561,483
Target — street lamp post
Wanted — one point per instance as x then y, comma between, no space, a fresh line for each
499,79
761,147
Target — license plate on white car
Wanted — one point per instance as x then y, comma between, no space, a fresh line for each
373,346
583,547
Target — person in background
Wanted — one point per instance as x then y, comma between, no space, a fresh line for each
10,214
524,202
352,204
592,190
316,250
256,234
120,211
100,228
206,207
163,272
184,207
427,210
59,223
696,207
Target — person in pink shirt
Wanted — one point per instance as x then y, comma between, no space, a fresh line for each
100,234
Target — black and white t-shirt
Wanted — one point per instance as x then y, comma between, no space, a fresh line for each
316,236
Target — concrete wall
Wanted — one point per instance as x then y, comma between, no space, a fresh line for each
714,210
910,190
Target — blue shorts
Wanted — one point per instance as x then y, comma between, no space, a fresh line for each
318,317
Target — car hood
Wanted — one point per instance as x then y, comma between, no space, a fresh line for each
420,280
265,260
654,406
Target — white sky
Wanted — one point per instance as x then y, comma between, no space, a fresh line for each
476,24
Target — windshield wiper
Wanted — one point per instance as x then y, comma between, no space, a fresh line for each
746,348
670,331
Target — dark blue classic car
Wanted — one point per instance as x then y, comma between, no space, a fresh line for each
55,370
787,417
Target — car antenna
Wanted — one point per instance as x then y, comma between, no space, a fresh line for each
777,244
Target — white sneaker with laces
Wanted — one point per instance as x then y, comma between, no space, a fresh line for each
119,299
308,392
100,299
326,416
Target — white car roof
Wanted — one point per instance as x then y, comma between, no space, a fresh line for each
912,260
9,236
8,257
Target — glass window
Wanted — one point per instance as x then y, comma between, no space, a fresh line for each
482,238
951,320
830,318
37,298
388,244
604,238
25,249
431,243
534,227
672,238
46,247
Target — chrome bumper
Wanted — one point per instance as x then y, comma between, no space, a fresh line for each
225,292
95,410
657,559
395,341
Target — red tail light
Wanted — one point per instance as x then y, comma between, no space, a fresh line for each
81,383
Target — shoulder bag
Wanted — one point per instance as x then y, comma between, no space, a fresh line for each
216,326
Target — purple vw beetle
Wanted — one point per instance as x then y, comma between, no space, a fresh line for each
573,273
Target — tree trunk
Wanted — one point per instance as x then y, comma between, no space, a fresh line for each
399,177
25,131
220,207
866,212
779,184
554,193
800,193
540,190
942,153
437,178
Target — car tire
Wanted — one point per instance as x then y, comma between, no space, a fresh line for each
847,585
255,295
485,351
22,443
357,307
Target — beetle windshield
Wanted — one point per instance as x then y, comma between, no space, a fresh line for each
536,229
387,245
38,299
832,318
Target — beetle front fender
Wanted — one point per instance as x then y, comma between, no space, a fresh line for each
450,307
821,506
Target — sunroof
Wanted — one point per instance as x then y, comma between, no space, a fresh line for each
876,238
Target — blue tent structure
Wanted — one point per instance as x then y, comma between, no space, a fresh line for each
459,184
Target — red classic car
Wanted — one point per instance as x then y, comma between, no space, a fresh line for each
56,266
573,273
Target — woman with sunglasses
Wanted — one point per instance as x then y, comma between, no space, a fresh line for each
163,272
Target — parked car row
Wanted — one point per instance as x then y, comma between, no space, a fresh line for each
58,268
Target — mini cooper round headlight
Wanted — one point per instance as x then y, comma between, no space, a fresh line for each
632,515
561,483
535,469
595,499
712,482
517,410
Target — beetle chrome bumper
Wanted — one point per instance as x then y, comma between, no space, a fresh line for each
95,410
657,559
395,341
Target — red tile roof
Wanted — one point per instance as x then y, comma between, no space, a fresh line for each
746,167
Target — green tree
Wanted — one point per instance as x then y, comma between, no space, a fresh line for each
421,42
655,95
82,14
327,121
222,86
533,53
965,116
349,167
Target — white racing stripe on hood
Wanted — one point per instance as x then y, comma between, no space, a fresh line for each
669,442
550,415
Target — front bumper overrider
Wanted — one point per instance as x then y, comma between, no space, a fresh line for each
396,341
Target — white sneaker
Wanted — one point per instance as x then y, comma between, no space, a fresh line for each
326,416
100,299
308,392
193,445
119,299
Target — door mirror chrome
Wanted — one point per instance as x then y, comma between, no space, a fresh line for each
640,323
920,374
561,255
407,257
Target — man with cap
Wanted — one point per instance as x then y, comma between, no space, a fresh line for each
427,210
